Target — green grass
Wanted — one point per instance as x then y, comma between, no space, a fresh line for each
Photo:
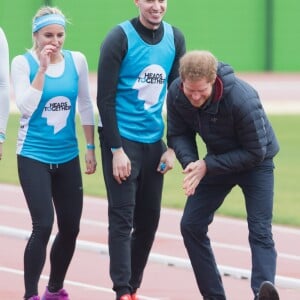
287,194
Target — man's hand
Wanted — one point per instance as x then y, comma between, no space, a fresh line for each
194,171
121,165
166,161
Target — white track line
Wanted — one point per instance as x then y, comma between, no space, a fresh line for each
281,281
175,237
74,283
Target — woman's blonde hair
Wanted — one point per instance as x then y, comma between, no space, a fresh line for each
48,10
43,11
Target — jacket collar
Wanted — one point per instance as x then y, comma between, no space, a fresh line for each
218,89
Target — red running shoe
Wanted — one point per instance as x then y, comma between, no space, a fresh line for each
126,297
134,297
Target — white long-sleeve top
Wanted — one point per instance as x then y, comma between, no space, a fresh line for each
27,98
4,81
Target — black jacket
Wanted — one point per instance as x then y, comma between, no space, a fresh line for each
233,126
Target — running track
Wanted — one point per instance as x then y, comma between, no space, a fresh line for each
168,274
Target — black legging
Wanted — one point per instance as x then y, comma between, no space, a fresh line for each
44,185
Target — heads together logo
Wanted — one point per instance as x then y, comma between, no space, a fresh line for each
56,112
150,84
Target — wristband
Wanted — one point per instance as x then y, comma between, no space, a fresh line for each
2,137
90,146
113,150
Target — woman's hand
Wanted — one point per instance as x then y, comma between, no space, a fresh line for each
90,162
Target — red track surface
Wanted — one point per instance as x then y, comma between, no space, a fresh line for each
88,275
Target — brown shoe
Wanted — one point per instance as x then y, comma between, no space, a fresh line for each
267,291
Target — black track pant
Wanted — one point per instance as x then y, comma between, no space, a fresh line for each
134,211
48,188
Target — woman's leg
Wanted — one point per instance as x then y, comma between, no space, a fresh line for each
35,180
68,199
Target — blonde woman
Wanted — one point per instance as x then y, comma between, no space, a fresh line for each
49,81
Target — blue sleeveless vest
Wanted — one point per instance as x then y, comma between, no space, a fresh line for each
142,85
49,134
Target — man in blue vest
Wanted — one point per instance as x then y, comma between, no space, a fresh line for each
138,60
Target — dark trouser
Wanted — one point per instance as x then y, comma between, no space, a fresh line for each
257,186
44,185
133,211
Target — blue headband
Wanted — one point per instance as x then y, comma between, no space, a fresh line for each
46,20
